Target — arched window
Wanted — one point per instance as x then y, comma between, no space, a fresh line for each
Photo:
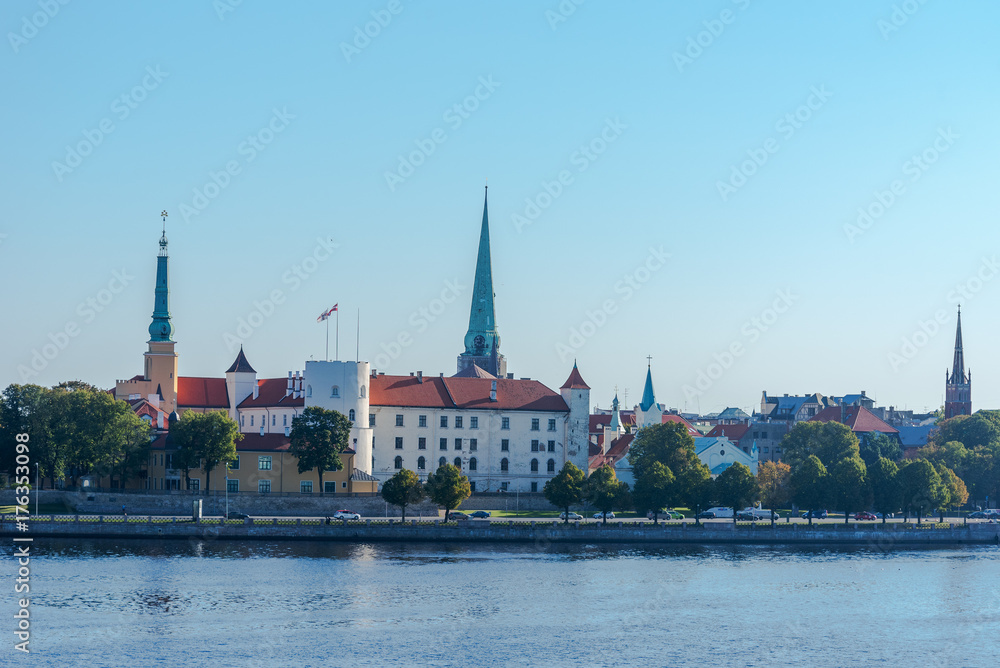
350,415
309,390
399,463
473,464
534,466
551,466
421,464
364,391
442,462
458,463
335,392
504,465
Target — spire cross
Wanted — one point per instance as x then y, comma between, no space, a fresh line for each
164,214
649,360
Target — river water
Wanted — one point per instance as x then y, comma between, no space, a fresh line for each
217,603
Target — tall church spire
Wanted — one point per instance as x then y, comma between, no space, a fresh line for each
958,366
648,398
482,341
161,329
958,385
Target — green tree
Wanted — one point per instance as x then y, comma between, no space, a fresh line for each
318,437
668,443
887,492
973,431
205,440
126,444
403,489
696,489
876,444
737,488
922,490
566,489
829,441
809,484
849,485
26,409
604,491
775,487
448,487
654,489
954,489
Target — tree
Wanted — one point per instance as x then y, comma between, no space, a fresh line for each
604,491
887,492
849,485
922,490
876,444
403,489
773,481
127,444
566,489
668,443
973,431
318,437
737,488
829,441
448,487
25,409
809,484
208,438
955,490
654,489
696,489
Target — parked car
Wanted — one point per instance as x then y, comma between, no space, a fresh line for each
674,515
480,514
878,516
816,514
572,516
599,516
756,515
233,515
981,515
865,515
456,515
706,515
346,515
666,514
721,511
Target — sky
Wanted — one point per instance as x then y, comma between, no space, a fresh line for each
781,197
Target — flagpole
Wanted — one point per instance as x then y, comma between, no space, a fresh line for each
357,340
327,339
338,334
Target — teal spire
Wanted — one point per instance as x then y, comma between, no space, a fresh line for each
616,423
482,339
648,398
161,329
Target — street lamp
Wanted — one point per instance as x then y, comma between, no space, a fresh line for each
36,488
227,491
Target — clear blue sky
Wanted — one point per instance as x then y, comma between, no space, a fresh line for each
673,130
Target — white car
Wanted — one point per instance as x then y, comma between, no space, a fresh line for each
346,515
600,516
572,516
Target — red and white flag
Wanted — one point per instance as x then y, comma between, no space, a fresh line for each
326,314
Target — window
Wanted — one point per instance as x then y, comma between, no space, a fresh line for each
534,466
443,445
264,463
421,464
504,466
763,434
777,450
274,420
399,420
421,443
473,464
444,421
329,487
504,445
284,420
235,464
765,450
472,485
534,424
551,466
344,484
534,445
399,442
350,415
442,462
458,463
422,421
458,422
458,444
552,446
305,487
473,444
243,420
504,485
364,391
371,419
398,463
309,390
534,487
264,486
552,424
335,391
756,434
251,420
505,423
473,423
194,484
233,486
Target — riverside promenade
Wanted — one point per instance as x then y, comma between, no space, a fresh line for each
472,531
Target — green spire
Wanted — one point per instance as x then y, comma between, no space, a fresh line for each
482,339
648,399
161,329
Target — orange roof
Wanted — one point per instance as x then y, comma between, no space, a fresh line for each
670,417
575,381
734,432
195,392
523,395
270,394
858,418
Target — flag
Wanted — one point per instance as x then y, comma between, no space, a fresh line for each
326,314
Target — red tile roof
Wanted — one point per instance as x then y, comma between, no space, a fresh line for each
618,451
734,432
196,392
438,392
575,381
858,418
670,417
271,394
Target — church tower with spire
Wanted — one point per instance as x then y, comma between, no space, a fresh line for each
648,412
958,383
482,341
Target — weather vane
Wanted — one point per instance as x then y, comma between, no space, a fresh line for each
163,214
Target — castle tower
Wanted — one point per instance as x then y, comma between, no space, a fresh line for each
958,384
482,341
344,387
241,382
648,412
576,393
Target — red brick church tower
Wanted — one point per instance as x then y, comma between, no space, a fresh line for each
958,383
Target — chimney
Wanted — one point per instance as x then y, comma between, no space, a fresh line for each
493,390
411,374
256,390
301,376
441,374
510,376
288,388
420,376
